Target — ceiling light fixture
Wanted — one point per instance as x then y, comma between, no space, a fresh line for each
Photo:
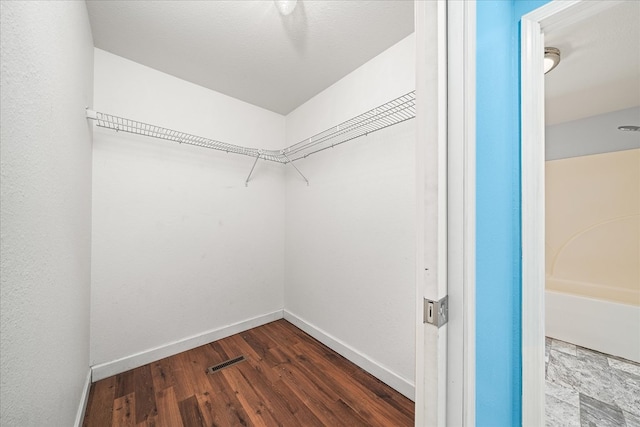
551,58
285,7
629,128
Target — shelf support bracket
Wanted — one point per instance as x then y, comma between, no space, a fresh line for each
246,183
294,166
92,115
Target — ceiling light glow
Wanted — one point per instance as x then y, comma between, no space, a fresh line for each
285,7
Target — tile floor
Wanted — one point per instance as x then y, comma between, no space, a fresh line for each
585,388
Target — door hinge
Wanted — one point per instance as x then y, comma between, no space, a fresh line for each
436,312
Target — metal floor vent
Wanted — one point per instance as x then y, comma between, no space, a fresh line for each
226,364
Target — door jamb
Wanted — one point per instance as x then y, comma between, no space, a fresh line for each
461,218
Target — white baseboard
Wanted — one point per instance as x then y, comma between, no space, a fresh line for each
383,374
600,325
105,370
84,398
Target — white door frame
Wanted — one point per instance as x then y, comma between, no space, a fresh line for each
445,166
431,199
533,25
461,218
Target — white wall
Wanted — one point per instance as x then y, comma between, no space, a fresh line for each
181,247
592,135
350,235
47,72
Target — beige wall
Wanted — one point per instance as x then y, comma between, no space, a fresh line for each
593,226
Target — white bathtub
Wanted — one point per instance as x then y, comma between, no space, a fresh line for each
601,325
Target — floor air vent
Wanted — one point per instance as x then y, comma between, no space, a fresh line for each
226,364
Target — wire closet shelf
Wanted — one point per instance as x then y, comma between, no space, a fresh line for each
390,113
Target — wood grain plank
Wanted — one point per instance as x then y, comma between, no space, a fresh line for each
254,406
145,394
273,401
124,411
284,335
383,391
316,397
278,398
181,371
375,411
270,354
219,351
321,363
190,412
210,416
237,345
195,363
219,410
100,404
270,384
222,403
260,343
162,375
124,384
295,405
168,409
149,422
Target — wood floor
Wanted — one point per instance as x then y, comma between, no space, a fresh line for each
288,379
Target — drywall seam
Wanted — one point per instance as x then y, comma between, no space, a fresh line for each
105,370
82,408
402,385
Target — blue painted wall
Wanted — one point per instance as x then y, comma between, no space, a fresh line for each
498,249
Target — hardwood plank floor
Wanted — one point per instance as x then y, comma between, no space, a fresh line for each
288,379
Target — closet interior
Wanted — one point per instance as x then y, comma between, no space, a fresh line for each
190,246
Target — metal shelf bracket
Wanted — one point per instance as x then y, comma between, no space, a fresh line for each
246,183
294,166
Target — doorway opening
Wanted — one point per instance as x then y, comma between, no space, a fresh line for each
548,20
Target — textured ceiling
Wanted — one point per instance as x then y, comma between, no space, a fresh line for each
246,49
600,67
